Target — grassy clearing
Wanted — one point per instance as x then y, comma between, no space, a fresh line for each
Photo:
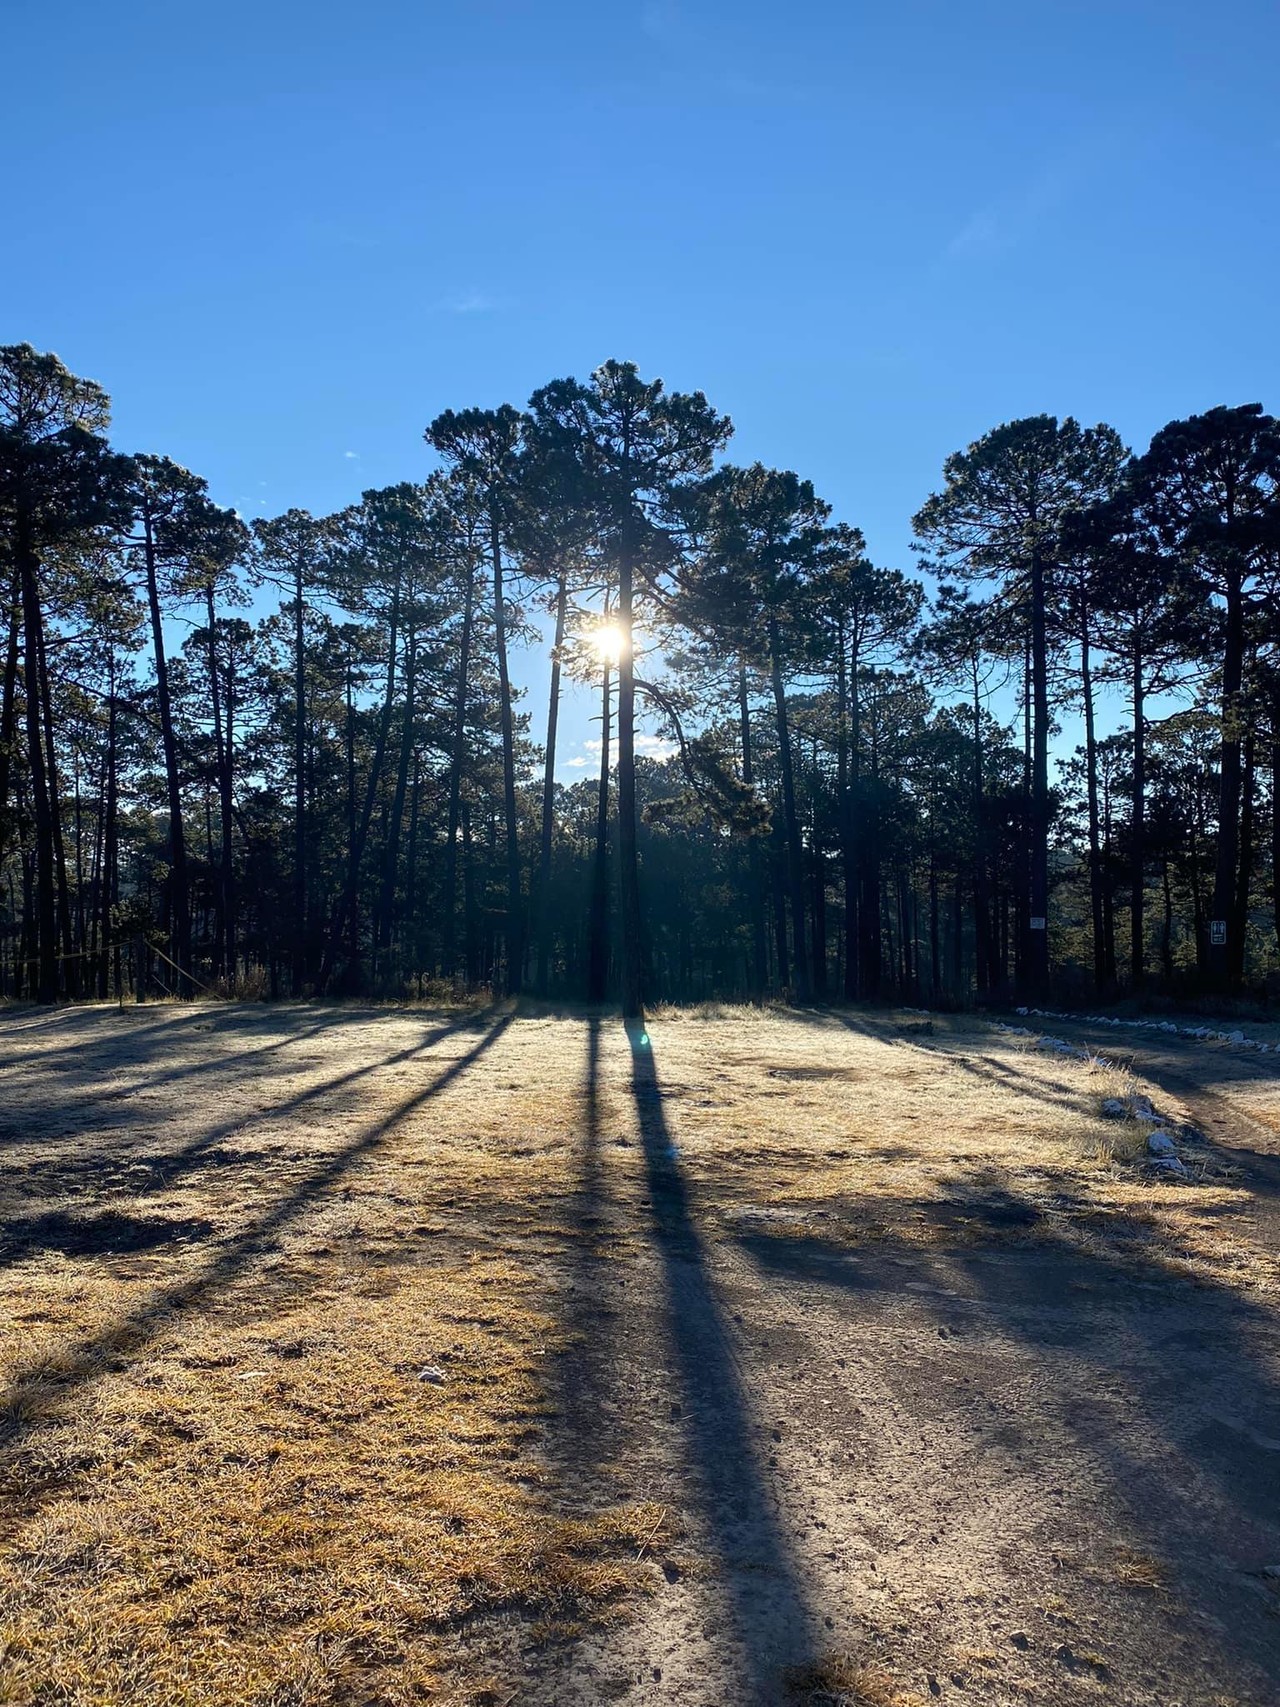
889,1130
282,1289
226,1479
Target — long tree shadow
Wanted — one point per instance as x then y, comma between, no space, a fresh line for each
55,1174
774,1627
87,1062
586,1435
1195,1484
1006,1077
38,1391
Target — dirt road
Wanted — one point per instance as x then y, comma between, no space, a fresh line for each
999,1470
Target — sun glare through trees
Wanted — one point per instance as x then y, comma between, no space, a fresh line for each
831,777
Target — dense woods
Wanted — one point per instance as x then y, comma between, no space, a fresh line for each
289,758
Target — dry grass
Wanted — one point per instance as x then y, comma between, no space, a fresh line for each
238,1237
844,1680
870,1130
1140,1570
225,1480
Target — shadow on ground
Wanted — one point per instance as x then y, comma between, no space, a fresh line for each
39,1391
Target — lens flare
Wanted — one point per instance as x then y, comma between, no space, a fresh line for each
607,644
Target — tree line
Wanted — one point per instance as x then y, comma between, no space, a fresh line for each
853,796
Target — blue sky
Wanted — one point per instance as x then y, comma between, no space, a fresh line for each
284,236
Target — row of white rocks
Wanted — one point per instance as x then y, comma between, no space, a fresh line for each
1162,1147
1162,1139
1162,1144
1204,1032
1053,1045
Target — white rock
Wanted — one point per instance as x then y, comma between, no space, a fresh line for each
1113,1108
1161,1144
1169,1165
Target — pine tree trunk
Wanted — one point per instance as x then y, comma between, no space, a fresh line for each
456,759
778,893
391,850
344,917
791,817
223,736
983,947
45,917
110,896
1091,789
870,919
1222,955
70,968
1037,924
598,915
301,945
81,935
179,881
9,715
755,862
848,852
1238,931
542,927
819,923
411,862
631,922
1166,935
1138,862
471,919
515,902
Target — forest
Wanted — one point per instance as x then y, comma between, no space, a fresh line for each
289,758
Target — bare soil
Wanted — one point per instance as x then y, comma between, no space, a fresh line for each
368,1356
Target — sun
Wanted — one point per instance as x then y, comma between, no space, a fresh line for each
607,643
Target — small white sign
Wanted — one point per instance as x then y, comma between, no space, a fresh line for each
1037,924
1218,933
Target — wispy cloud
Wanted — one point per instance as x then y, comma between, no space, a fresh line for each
691,45
576,764
351,455
664,22
466,302
1007,221
651,746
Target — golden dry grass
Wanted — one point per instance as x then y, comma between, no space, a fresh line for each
844,1680
876,1129
225,1480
